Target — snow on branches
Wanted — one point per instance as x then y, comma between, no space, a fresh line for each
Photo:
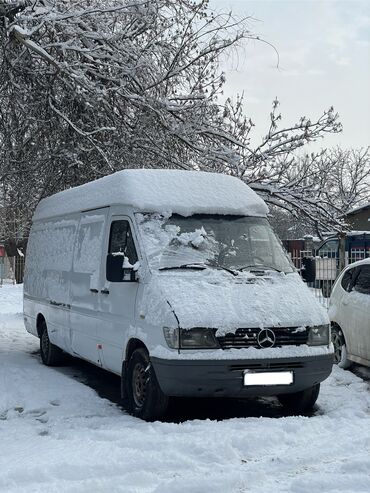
88,87
140,75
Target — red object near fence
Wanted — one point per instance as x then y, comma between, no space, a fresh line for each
2,251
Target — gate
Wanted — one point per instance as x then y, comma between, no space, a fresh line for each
11,270
327,268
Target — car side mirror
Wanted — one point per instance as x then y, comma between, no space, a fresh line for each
308,270
117,272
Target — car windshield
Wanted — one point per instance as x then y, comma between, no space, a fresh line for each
233,243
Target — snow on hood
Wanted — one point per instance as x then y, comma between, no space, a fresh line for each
213,298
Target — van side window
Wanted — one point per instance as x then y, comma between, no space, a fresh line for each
362,283
121,240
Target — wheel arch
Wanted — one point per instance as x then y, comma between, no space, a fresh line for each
344,361
335,325
40,320
131,346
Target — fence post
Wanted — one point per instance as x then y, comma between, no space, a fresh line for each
342,251
14,279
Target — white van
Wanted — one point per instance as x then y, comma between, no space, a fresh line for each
175,281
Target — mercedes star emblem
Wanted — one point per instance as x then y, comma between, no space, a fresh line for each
266,338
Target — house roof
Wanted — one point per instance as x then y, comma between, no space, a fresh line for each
358,209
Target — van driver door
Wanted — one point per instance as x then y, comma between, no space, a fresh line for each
117,299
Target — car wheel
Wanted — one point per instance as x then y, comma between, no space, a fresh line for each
144,397
51,355
300,402
340,348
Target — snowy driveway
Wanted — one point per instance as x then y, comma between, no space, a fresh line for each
59,435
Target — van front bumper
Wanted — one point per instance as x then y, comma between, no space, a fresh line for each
225,378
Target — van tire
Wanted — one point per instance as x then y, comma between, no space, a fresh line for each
340,348
300,402
143,395
51,355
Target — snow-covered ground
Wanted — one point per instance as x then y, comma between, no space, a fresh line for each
59,435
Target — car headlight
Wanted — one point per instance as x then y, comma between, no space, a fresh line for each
318,335
197,338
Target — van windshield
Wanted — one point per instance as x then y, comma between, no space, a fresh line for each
233,243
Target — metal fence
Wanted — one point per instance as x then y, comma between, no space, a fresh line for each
327,270
11,270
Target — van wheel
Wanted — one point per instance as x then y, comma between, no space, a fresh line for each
300,402
340,348
145,398
51,355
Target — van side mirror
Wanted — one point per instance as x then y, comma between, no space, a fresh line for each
308,271
116,272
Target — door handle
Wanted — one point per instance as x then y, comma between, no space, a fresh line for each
55,303
105,291
94,290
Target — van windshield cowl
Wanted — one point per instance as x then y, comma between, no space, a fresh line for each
232,243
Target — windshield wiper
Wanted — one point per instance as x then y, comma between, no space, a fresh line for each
225,268
200,267
185,266
256,268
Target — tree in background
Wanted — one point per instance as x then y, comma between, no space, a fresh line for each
316,188
287,226
90,87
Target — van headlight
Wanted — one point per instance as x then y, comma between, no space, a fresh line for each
318,335
196,338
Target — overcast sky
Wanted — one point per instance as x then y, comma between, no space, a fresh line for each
324,50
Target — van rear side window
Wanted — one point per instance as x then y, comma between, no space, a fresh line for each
121,240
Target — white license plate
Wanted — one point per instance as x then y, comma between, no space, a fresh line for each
268,378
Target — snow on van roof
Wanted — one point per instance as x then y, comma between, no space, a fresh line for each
157,190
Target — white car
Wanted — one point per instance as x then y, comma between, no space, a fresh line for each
349,312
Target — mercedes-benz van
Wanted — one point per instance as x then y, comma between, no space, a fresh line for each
175,281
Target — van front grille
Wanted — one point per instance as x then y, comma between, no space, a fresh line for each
284,336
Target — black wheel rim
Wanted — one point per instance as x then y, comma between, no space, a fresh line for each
139,384
45,343
337,343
